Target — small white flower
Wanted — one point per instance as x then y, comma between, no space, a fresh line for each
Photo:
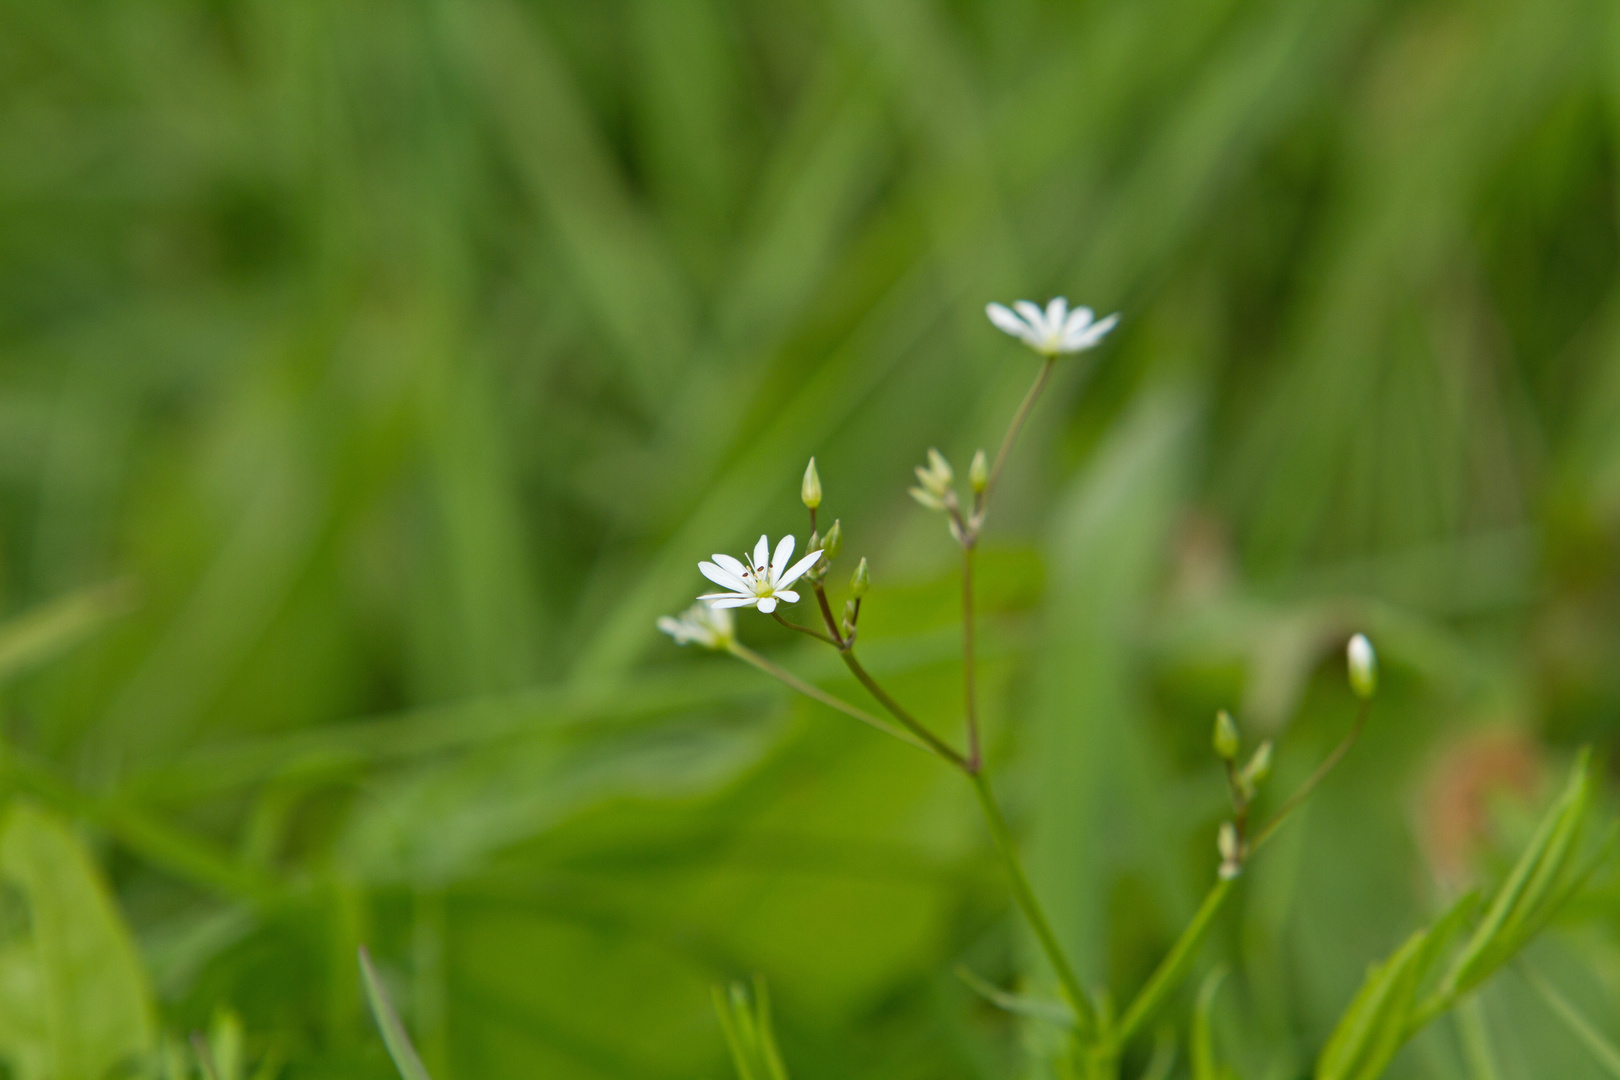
1053,331
700,624
762,582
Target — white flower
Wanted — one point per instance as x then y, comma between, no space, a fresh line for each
762,582
700,624
1053,331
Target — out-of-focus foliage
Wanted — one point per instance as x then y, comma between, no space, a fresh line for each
403,358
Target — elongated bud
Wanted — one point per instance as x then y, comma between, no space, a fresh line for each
939,466
860,582
979,473
1259,766
834,543
852,611
1363,666
1226,736
810,490
1231,849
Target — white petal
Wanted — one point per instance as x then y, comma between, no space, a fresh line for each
1056,309
779,560
797,570
735,566
762,555
1078,320
767,604
722,577
1033,316
722,602
670,625
1090,335
1005,320
787,596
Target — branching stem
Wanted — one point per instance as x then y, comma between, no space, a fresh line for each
816,693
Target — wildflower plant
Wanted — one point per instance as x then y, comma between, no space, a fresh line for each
1399,996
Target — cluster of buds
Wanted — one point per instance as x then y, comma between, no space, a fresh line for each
936,490
1243,783
829,546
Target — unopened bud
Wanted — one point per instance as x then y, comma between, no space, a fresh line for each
1363,667
939,466
852,612
1226,736
927,498
979,473
1259,766
834,543
860,582
810,490
1231,849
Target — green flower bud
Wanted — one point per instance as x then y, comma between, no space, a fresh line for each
810,490
1226,736
860,582
1363,666
1231,849
834,543
979,473
1259,766
851,612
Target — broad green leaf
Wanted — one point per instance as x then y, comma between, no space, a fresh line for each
74,1001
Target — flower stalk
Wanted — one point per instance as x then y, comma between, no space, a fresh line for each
764,582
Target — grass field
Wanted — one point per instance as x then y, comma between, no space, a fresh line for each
374,373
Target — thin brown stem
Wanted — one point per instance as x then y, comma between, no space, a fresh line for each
970,691
817,634
815,693
1014,428
912,724
827,615
1295,800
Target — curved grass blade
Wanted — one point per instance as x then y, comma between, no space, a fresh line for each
393,1032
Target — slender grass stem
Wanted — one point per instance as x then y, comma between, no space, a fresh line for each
970,690
912,724
1076,998
817,634
1016,426
1304,791
1175,963
815,693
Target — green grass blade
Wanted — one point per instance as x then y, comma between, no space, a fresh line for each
393,1032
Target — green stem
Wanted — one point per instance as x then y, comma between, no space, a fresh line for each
1304,792
915,726
1025,896
816,693
817,634
975,760
1015,427
1175,963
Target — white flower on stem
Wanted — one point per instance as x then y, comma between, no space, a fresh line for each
700,624
1053,331
760,583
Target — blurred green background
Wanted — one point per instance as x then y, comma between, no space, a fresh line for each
372,374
